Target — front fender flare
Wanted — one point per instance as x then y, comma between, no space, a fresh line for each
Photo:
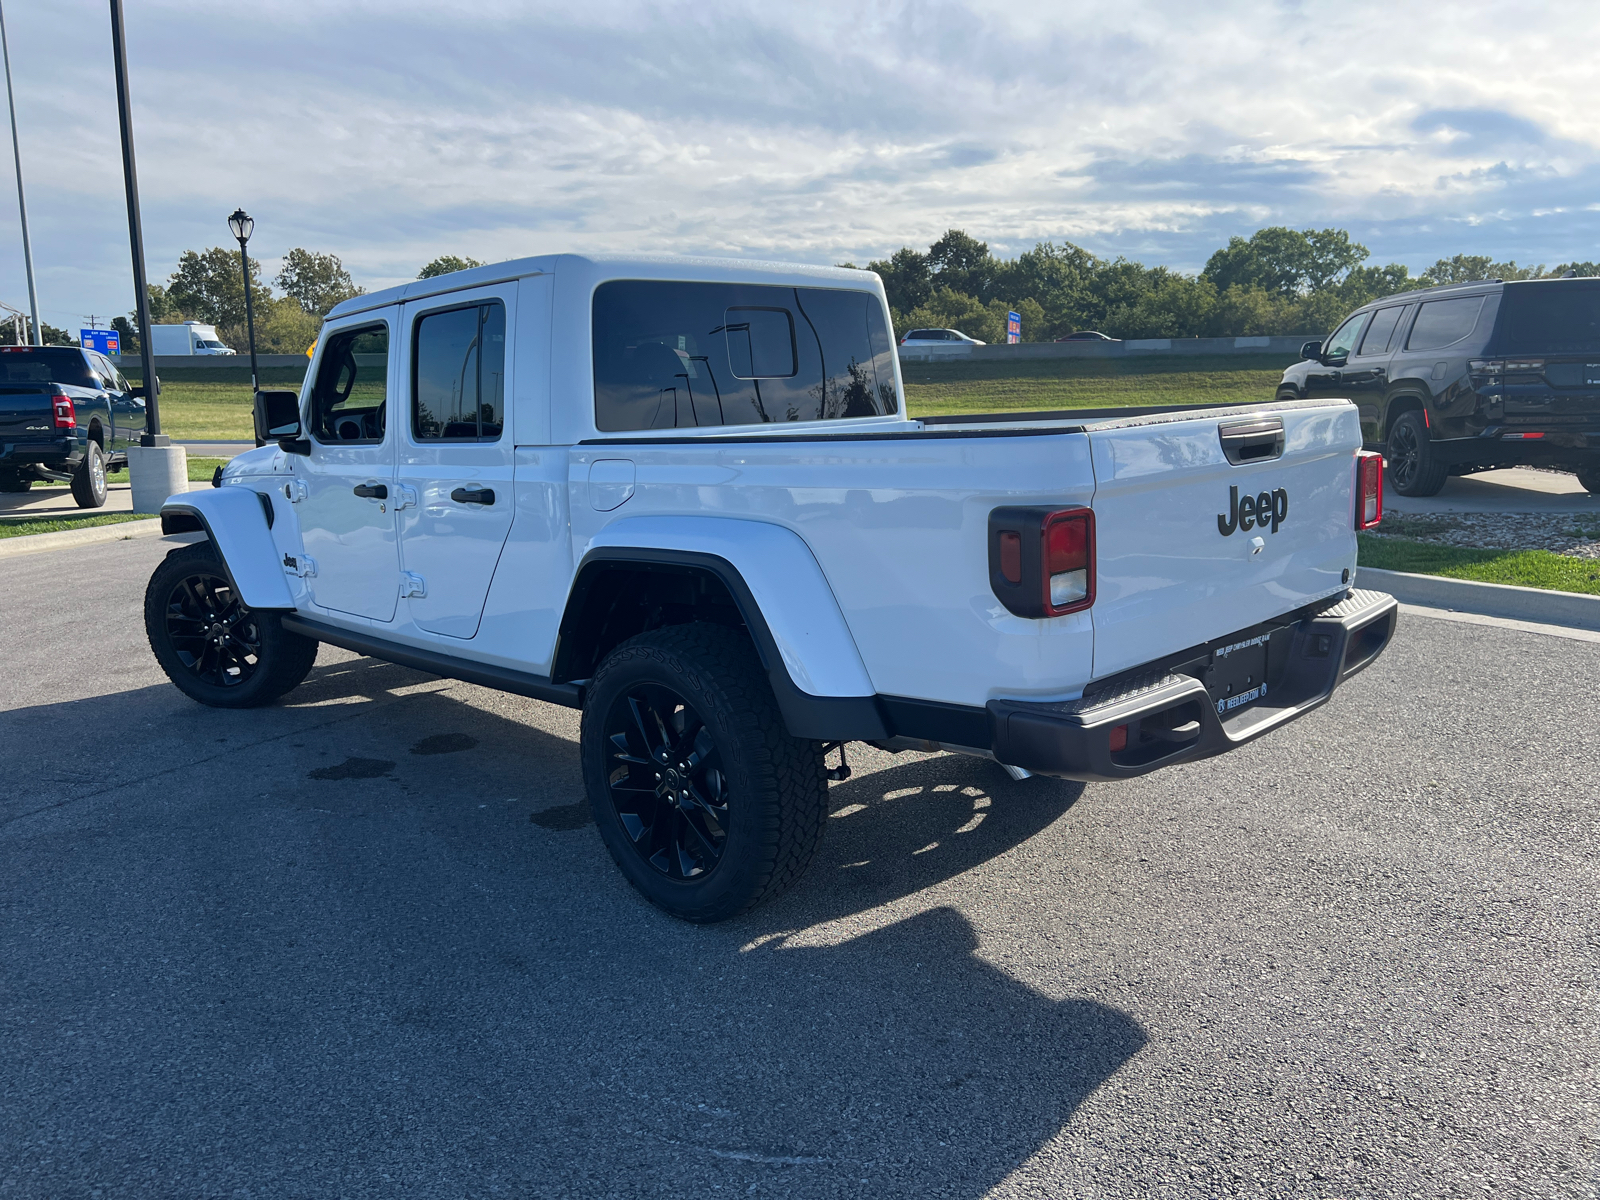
236,522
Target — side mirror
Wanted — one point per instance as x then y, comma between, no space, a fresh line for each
1311,350
277,418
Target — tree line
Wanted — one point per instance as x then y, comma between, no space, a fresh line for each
208,286
1277,281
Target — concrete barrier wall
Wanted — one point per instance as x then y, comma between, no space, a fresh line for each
130,364
1133,348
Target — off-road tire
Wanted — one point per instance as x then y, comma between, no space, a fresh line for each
10,481
282,659
776,789
89,480
1589,477
1412,469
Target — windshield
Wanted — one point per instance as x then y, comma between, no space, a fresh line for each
28,365
1549,317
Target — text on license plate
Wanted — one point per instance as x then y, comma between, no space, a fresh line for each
1229,703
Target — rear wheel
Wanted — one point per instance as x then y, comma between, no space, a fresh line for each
1590,478
89,480
1413,469
706,803
212,647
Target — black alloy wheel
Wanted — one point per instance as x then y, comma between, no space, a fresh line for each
1409,458
215,637
214,647
666,782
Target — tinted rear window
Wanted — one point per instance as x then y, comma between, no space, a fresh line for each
1549,318
1443,323
673,355
45,366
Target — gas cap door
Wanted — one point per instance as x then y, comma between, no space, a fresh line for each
610,483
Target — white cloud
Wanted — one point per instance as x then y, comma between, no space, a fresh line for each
391,132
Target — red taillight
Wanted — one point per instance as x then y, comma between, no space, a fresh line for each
66,415
1042,560
1369,489
1068,561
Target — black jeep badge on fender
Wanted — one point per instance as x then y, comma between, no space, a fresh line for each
1264,509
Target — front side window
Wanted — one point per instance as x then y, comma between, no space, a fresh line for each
458,374
674,355
1344,339
1443,323
348,399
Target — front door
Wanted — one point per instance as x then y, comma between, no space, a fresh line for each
347,519
1326,376
1366,375
456,462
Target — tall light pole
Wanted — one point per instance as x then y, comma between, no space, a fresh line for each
242,227
22,203
156,468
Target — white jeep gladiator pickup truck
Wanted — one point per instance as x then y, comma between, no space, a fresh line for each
683,496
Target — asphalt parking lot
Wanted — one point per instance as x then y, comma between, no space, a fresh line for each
368,944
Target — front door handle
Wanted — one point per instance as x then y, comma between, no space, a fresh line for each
371,491
475,495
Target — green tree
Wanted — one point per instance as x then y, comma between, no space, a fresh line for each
1286,261
316,282
446,263
907,279
209,287
51,336
1469,268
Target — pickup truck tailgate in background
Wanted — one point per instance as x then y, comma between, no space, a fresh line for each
1175,568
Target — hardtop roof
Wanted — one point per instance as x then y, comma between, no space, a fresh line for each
601,267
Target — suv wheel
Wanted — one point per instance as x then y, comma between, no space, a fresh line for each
213,648
89,480
1412,468
1590,478
703,799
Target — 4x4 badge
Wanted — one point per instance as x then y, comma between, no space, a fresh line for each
1264,509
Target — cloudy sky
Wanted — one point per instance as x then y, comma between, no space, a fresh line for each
391,132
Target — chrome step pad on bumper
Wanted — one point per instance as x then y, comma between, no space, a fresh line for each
1168,717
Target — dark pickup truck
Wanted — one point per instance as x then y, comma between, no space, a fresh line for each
65,414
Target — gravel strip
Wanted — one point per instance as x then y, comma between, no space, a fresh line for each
1577,536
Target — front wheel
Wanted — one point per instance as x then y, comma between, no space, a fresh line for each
214,648
89,480
1413,468
703,799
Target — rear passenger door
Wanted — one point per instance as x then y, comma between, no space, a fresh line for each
457,461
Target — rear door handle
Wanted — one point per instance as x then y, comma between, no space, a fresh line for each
473,495
371,491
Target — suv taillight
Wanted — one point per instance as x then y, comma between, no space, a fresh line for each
1042,560
66,415
1369,489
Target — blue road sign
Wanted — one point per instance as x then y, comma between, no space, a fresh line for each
1013,328
106,341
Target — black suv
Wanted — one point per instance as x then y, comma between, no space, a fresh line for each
1452,380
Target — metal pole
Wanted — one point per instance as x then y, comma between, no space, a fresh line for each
22,204
249,318
119,53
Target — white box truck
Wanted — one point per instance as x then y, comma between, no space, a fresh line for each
189,338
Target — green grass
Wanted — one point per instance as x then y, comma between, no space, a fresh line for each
954,388
61,522
1524,568
213,405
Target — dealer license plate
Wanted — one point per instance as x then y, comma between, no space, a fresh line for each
1238,674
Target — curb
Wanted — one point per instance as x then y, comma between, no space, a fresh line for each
38,543
1537,605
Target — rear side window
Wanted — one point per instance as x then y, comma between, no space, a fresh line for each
348,400
675,355
458,374
1557,317
1381,330
1443,323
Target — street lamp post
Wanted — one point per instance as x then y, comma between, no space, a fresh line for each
242,227
22,204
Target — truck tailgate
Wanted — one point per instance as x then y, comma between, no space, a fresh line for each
25,414
1180,557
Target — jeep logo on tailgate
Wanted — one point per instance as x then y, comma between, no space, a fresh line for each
1267,508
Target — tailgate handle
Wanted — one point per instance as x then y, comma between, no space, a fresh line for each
1259,439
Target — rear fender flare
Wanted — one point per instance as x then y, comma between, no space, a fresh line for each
235,520
1401,402
809,653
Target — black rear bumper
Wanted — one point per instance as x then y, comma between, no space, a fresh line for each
1167,717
